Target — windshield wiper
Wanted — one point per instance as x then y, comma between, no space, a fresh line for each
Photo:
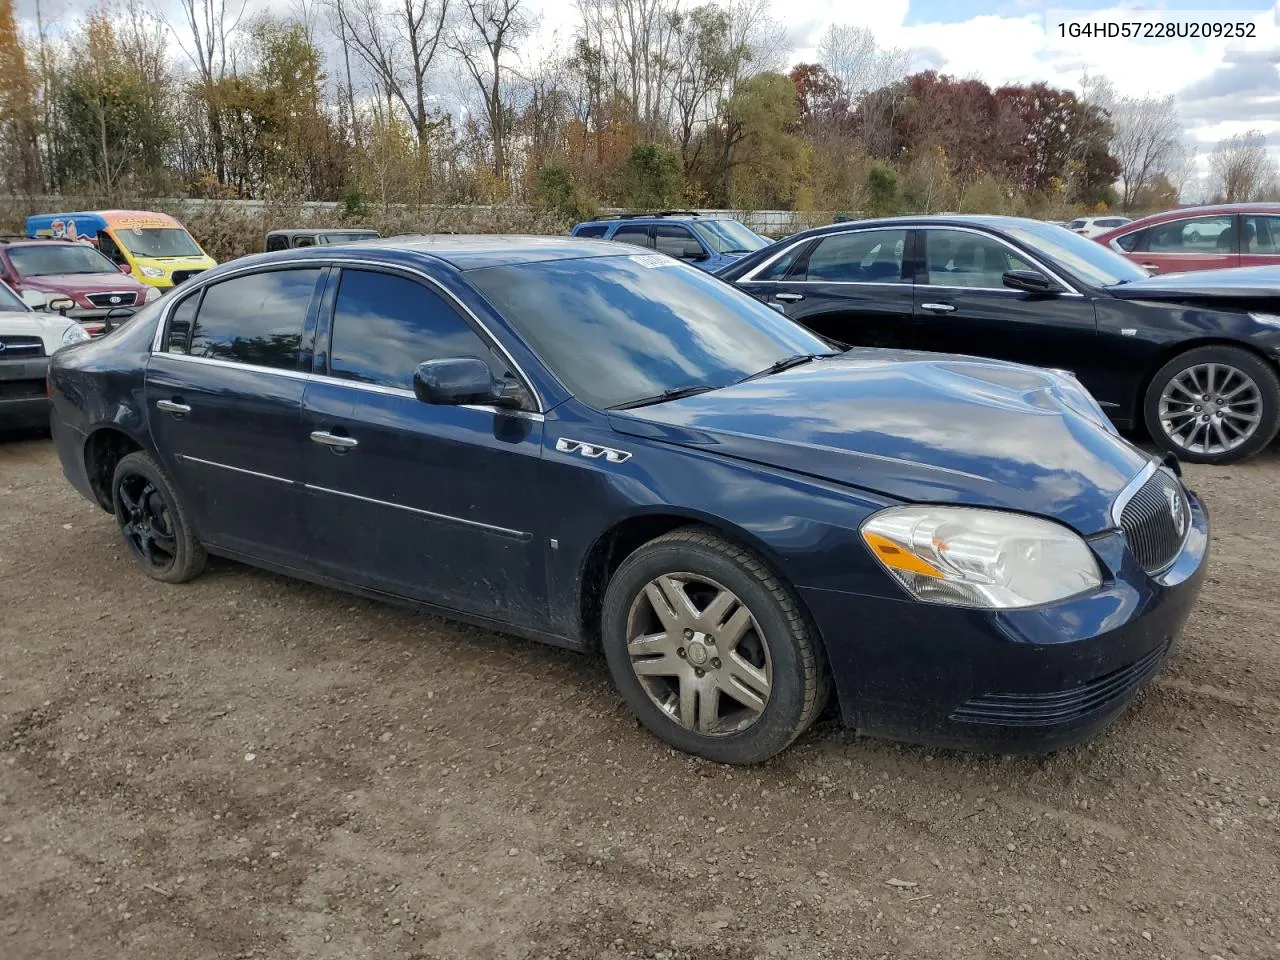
675,393
786,363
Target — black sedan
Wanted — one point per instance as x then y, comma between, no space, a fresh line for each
1191,357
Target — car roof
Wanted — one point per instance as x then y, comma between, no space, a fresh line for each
316,231
990,221
461,251
655,217
41,242
1208,210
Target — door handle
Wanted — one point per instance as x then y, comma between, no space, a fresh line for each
333,440
938,307
789,297
172,406
1150,266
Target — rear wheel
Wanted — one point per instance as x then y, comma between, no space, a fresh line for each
152,521
1214,404
710,648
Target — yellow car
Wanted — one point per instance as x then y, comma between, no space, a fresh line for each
155,247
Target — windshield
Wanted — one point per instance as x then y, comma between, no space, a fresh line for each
158,242
728,236
10,302
615,330
42,260
1093,263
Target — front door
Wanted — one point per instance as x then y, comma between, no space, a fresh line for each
963,307
224,404
850,286
435,503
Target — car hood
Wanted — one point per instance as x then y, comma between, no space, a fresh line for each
82,283
917,427
32,324
1231,282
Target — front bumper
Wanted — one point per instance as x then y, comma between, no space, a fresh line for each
1024,680
23,401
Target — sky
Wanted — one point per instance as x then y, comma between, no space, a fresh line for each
1223,87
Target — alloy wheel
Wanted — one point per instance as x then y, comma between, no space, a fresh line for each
699,653
146,521
1210,408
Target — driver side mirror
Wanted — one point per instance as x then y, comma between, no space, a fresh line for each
693,251
124,268
1031,281
456,381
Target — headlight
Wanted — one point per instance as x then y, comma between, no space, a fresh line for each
970,557
154,272
153,293
73,334
1270,319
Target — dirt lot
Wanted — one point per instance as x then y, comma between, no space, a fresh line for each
252,767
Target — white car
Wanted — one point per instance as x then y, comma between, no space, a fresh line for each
1094,226
32,329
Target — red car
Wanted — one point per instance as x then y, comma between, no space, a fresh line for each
1201,238
75,270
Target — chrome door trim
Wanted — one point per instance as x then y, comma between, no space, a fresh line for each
520,535
227,466
353,384
338,260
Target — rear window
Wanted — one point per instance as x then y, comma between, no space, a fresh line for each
592,230
1078,224
255,319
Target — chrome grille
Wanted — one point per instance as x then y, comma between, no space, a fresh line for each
122,299
1155,521
20,348
180,276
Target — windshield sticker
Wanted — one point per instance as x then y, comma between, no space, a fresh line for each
652,260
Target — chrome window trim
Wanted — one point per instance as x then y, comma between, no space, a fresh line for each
1068,289
521,535
1132,487
341,381
848,283
195,286
750,277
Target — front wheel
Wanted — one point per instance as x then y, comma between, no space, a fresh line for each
154,525
711,649
1214,404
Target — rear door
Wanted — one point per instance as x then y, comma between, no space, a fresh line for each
1193,243
853,286
435,503
637,233
224,404
963,306
1259,240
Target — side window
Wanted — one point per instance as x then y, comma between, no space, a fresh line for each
179,336
957,258
384,325
255,319
592,230
861,256
637,235
1261,235
1131,241
673,240
304,241
108,247
778,269
1197,235
277,242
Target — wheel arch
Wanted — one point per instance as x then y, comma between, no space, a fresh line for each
630,533
105,447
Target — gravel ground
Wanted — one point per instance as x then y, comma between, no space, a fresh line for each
247,766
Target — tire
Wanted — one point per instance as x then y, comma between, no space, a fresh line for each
777,644
1221,371
153,522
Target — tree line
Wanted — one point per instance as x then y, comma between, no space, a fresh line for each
649,103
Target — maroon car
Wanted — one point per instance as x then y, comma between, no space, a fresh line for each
1201,238
74,270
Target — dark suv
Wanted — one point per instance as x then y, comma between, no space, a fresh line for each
708,242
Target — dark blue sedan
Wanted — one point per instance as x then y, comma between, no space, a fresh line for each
610,450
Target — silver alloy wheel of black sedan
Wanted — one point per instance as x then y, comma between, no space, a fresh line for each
699,653
1210,408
